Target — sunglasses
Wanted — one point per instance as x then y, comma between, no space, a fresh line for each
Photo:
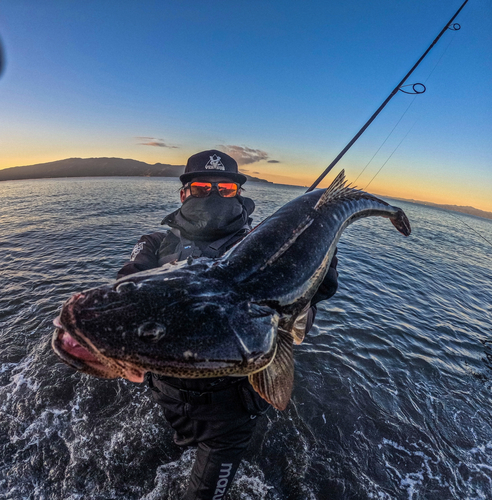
203,189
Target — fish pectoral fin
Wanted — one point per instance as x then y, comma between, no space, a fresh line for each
274,384
297,328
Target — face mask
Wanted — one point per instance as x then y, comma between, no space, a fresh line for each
212,217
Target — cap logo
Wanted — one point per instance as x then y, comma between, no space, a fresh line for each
214,163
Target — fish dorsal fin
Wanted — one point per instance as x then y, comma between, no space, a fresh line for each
274,384
340,190
334,190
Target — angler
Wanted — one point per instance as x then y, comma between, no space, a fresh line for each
207,319
218,414
248,303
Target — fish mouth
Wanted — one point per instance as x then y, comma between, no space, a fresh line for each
79,357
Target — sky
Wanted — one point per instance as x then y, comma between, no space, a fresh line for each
281,85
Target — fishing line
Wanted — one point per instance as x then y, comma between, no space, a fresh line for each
404,113
398,88
392,153
455,27
384,142
442,55
470,227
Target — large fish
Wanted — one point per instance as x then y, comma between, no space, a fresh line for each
233,316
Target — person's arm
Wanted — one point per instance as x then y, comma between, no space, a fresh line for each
145,255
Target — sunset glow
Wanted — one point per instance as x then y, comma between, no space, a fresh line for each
282,87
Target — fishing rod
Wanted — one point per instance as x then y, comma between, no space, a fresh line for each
418,88
1,58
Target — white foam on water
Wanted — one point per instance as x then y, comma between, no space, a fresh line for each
482,448
413,482
249,483
379,495
19,378
171,478
7,366
456,451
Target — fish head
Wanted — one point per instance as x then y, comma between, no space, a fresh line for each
161,326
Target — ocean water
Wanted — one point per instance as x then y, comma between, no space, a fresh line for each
393,385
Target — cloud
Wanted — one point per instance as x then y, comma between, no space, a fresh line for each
257,173
151,141
273,161
244,156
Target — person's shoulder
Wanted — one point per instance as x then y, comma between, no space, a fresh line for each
157,236
149,243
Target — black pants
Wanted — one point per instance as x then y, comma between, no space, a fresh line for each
220,447
219,423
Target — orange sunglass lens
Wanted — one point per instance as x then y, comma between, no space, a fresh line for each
200,189
227,189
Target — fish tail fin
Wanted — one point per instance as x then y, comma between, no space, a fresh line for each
401,222
339,189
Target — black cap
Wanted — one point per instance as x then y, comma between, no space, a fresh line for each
212,163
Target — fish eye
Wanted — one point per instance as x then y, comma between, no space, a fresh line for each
151,331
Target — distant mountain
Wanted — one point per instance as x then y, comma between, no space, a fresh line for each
453,208
119,167
90,167
95,167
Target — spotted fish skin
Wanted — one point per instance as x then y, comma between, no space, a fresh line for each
214,317
283,261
